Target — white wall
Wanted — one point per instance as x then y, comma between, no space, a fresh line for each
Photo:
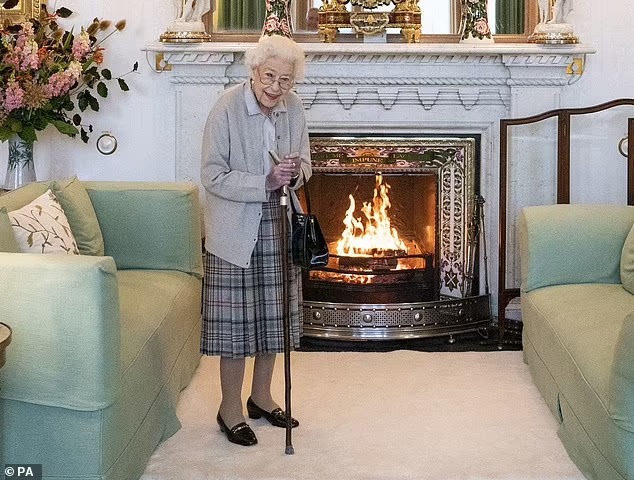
601,171
146,146
608,26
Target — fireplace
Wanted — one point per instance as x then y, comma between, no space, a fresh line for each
396,213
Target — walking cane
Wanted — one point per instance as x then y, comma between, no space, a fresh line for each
286,324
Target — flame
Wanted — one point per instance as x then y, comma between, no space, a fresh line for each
375,234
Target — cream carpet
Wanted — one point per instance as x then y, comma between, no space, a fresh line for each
378,416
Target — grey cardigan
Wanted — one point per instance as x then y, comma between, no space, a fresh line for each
233,173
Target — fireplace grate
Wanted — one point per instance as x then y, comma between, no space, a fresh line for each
396,321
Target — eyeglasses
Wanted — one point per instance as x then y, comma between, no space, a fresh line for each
268,78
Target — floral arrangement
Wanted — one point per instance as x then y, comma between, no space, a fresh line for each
47,73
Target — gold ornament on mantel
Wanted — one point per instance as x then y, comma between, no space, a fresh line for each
188,26
370,4
334,15
369,23
552,28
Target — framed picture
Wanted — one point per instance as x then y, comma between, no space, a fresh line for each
22,11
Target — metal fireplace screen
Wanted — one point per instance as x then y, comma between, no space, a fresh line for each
418,192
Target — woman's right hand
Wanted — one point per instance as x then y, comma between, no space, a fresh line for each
280,175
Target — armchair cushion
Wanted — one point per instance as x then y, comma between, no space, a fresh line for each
77,206
161,232
81,215
21,196
563,244
7,237
42,227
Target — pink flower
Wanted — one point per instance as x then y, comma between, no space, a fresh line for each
14,96
285,27
481,27
24,55
61,82
272,24
3,113
81,45
26,34
30,57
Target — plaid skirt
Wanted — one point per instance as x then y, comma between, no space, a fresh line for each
242,308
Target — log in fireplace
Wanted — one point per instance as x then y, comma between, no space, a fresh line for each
400,215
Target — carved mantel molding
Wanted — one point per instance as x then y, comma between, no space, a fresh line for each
507,54
412,73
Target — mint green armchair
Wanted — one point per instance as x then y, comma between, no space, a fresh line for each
578,336
102,345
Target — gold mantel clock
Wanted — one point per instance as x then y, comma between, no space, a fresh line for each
334,15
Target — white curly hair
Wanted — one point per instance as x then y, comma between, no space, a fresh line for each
280,47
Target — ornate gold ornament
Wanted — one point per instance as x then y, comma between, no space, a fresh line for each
185,37
405,15
24,10
370,4
553,38
369,23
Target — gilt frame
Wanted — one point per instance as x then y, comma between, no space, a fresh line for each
24,10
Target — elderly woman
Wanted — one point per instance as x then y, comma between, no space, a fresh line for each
242,298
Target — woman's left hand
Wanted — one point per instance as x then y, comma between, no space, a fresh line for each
295,162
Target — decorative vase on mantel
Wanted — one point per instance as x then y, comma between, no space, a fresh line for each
474,23
278,18
20,168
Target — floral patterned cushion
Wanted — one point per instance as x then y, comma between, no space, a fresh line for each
42,227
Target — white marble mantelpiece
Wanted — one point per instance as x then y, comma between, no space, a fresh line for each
393,88
369,86
503,64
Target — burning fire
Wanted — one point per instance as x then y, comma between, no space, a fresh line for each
375,236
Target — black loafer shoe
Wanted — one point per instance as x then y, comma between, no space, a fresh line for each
240,434
277,417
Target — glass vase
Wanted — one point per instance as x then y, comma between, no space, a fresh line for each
474,23
20,168
278,18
